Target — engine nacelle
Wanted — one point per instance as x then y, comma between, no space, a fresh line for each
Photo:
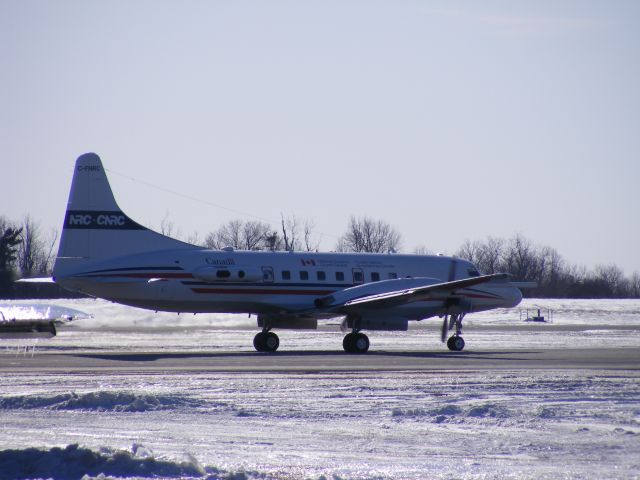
227,274
373,322
290,322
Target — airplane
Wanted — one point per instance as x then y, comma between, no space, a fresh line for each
104,253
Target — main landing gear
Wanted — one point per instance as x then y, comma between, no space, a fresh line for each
355,342
266,341
455,342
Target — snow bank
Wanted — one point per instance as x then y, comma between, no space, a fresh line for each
101,401
39,311
97,313
78,463
455,414
75,462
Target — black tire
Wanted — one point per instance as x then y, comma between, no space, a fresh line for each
457,343
347,342
450,343
271,342
258,342
360,343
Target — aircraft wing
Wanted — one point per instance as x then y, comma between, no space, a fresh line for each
396,297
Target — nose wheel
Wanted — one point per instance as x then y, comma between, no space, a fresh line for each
455,343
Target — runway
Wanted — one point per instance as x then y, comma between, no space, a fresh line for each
523,401
324,362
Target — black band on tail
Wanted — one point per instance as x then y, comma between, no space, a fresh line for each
99,220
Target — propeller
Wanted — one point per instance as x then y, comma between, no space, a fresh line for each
445,328
344,326
449,302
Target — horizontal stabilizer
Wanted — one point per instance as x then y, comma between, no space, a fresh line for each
113,280
36,280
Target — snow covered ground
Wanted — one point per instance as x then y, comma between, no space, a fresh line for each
554,423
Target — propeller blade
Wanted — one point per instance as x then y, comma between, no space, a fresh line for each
344,326
444,329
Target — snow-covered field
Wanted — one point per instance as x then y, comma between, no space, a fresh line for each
554,423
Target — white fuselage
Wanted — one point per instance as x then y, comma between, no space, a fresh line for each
272,282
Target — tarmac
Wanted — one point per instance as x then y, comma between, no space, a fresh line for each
627,359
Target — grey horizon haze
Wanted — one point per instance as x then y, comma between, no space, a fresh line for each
449,120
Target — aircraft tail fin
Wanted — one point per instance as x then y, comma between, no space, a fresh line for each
95,228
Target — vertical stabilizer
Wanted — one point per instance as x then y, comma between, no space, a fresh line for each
95,228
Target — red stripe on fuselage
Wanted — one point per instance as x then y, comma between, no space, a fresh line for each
143,275
261,291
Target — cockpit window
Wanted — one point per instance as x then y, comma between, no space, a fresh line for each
473,272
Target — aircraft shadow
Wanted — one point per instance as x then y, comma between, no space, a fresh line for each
154,356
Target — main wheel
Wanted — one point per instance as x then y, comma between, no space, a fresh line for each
266,342
271,342
347,342
355,343
360,343
258,341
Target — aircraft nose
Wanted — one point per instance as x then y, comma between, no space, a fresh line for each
513,297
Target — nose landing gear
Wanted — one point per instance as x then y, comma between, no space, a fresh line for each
455,342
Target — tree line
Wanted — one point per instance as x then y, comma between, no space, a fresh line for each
26,251
556,277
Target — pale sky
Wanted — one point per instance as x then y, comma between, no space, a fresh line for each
449,120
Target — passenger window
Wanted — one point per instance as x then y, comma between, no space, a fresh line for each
286,275
358,276
267,274
304,275
393,276
321,276
340,276
375,277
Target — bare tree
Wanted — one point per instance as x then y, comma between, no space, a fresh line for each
491,255
35,253
194,239
521,259
293,239
551,279
423,250
613,278
311,242
167,226
365,234
486,256
254,234
469,251
239,235
634,285
290,233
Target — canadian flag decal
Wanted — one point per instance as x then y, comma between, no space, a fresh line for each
308,262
